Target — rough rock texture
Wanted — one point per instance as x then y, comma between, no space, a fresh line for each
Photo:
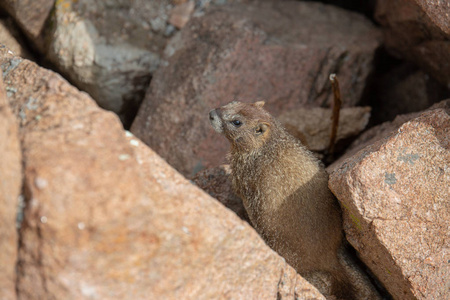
106,218
419,31
10,186
313,125
397,214
217,183
438,12
31,16
281,52
381,131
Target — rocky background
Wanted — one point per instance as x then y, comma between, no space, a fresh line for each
90,210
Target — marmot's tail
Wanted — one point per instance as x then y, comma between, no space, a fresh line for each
359,284
333,284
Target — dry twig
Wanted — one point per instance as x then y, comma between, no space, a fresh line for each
335,114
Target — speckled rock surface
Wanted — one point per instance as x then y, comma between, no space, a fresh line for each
418,30
438,12
107,218
278,51
10,188
380,132
396,211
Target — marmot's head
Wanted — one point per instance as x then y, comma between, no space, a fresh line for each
247,126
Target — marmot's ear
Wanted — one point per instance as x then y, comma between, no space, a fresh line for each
262,128
259,104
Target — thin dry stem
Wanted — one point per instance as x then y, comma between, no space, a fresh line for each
335,114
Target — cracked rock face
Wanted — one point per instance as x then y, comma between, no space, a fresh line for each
107,218
280,52
395,194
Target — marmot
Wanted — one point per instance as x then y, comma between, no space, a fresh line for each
284,189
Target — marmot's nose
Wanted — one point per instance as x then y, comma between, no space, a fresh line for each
212,114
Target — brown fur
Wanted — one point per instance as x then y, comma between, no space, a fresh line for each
285,192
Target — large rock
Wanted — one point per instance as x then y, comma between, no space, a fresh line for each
10,187
107,218
279,51
419,31
395,193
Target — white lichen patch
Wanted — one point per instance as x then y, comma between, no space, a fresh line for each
40,183
81,226
124,157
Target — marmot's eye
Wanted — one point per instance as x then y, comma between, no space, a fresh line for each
236,123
